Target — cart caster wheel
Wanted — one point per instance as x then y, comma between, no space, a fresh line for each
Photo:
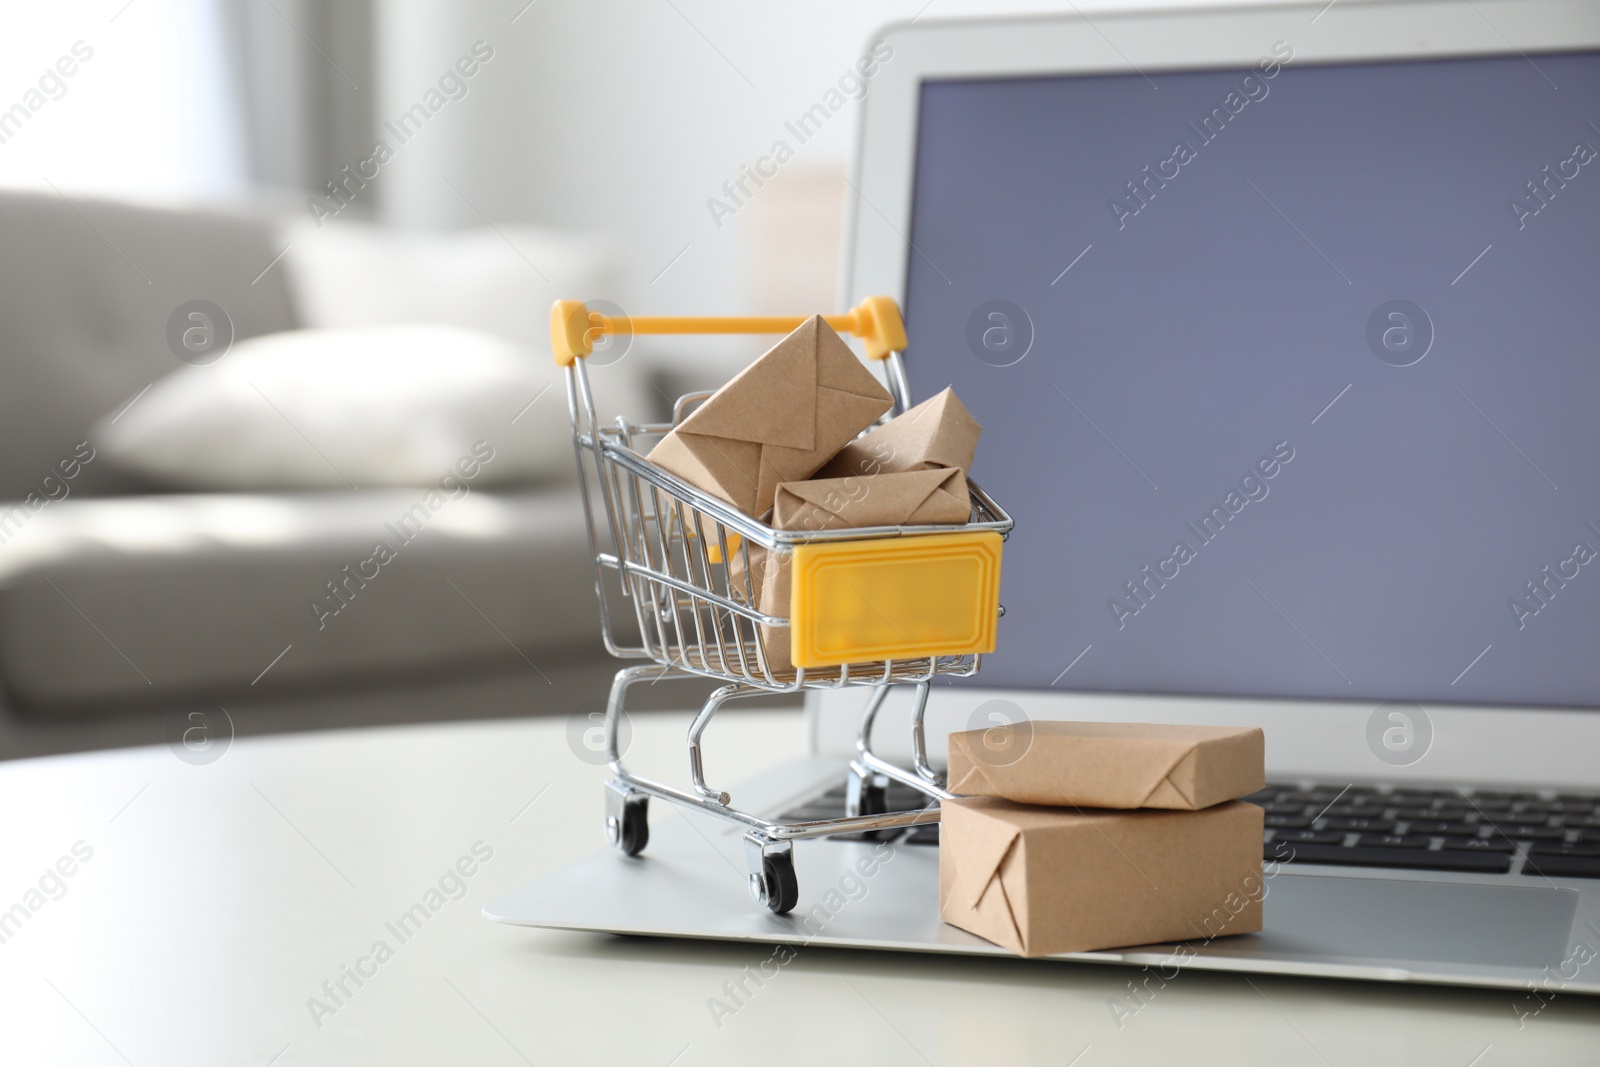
776,886
630,831
868,795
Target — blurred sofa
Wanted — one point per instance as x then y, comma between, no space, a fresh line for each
116,592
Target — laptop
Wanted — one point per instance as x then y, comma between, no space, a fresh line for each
1280,323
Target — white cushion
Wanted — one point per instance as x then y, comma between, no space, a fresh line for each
502,280
378,406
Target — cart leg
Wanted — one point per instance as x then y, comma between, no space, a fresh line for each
627,818
772,880
697,773
866,793
627,809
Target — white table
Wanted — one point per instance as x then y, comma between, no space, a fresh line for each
218,899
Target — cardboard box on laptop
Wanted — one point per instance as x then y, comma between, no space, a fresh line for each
1115,834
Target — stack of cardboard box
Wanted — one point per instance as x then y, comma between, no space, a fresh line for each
1079,836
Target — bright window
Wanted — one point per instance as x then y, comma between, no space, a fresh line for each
119,98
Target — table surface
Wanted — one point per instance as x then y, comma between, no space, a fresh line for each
204,907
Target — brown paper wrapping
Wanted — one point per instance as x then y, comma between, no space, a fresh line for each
778,421
1041,880
939,432
1111,764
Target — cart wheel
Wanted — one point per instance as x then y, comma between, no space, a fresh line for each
782,887
874,797
630,832
868,795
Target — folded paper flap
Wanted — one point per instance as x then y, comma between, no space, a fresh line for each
772,401
939,432
1179,777
984,843
779,420
927,496
1112,765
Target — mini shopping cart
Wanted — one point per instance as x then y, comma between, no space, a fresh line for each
892,605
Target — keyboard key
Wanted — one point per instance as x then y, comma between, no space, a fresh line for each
1436,826
1519,818
1532,833
1285,807
1450,812
1375,826
1309,837
1288,822
1420,798
922,835
1356,811
1534,805
1561,866
1589,835
1480,844
1412,858
1262,796
1575,822
1483,803
1557,848
1572,807
1407,814
1579,798
1392,841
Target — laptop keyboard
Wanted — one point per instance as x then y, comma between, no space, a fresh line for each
1531,833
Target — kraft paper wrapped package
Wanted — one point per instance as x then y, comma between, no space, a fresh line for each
909,498
779,420
939,432
1110,764
1041,880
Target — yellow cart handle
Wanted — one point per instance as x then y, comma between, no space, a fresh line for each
574,328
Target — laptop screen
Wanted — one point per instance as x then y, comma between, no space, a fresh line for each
1288,374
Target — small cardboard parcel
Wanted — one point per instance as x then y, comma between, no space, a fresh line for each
778,420
1117,834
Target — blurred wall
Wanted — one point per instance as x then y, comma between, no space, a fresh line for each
628,117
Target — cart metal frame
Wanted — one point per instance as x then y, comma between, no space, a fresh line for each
659,545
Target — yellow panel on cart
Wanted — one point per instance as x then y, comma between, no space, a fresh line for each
894,598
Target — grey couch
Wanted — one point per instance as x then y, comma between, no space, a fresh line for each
114,596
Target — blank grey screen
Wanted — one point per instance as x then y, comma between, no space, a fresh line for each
1304,408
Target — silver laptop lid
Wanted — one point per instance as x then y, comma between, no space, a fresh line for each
1262,318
